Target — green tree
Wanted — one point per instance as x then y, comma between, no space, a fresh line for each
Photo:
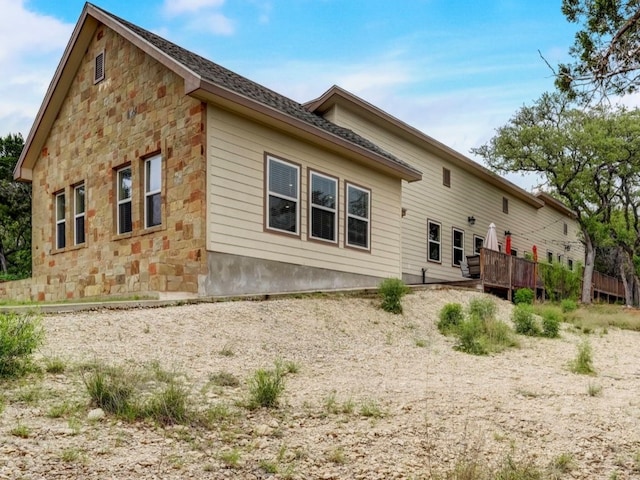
15,212
606,50
577,153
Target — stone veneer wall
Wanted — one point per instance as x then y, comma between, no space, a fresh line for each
137,110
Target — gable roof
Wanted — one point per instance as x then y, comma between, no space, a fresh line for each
336,95
557,204
209,82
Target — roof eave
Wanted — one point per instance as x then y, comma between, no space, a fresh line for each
216,94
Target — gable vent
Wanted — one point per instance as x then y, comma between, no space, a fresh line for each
99,70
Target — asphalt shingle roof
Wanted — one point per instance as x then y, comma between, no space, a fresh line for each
224,77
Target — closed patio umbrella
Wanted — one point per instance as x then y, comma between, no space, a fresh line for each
491,240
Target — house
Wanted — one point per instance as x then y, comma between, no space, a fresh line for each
158,172
447,214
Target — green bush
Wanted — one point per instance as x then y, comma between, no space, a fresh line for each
583,363
168,407
391,291
568,305
550,323
524,320
482,308
265,388
471,338
20,335
111,389
560,282
451,316
523,295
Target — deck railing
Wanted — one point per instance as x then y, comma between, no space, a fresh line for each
604,284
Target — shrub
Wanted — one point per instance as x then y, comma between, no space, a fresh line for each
550,323
523,295
111,389
482,308
583,363
265,388
20,335
168,407
451,317
524,320
391,291
568,305
471,337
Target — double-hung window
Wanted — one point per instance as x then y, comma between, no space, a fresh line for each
61,224
323,205
434,242
457,253
124,187
153,191
478,243
283,196
357,217
79,210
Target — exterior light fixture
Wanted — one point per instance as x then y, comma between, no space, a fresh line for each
471,220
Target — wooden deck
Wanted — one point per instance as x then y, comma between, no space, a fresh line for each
502,273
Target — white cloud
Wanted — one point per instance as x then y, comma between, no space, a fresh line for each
176,7
215,23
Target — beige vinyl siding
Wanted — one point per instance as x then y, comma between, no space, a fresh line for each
451,206
235,213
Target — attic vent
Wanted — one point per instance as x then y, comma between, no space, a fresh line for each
99,71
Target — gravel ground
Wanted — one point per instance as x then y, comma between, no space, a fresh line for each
404,404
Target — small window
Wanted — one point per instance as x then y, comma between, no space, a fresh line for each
570,264
323,205
514,252
61,224
99,68
124,187
559,258
550,257
457,243
434,242
153,191
283,196
505,205
446,177
358,221
478,243
565,228
79,210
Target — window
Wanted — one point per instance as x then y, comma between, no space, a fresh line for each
99,68
559,258
457,243
153,191
565,229
357,213
446,177
478,243
283,196
570,264
61,230
433,242
78,214
323,204
550,257
124,187
514,252
505,205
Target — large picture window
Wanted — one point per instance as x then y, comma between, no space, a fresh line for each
125,190
434,243
79,210
61,223
457,244
323,205
153,191
283,196
357,216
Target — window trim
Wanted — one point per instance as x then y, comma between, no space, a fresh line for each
475,239
119,202
446,177
266,227
310,174
505,205
77,215
97,77
60,221
549,257
348,215
429,241
570,263
455,230
147,194
565,228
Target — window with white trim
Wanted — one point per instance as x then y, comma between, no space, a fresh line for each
79,209
434,242
61,223
570,263
357,216
283,196
550,257
323,205
478,243
124,193
457,245
153,191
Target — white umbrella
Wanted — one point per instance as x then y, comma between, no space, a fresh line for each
491,240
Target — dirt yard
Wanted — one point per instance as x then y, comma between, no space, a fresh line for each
376,396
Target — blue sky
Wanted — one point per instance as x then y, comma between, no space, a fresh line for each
455,69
